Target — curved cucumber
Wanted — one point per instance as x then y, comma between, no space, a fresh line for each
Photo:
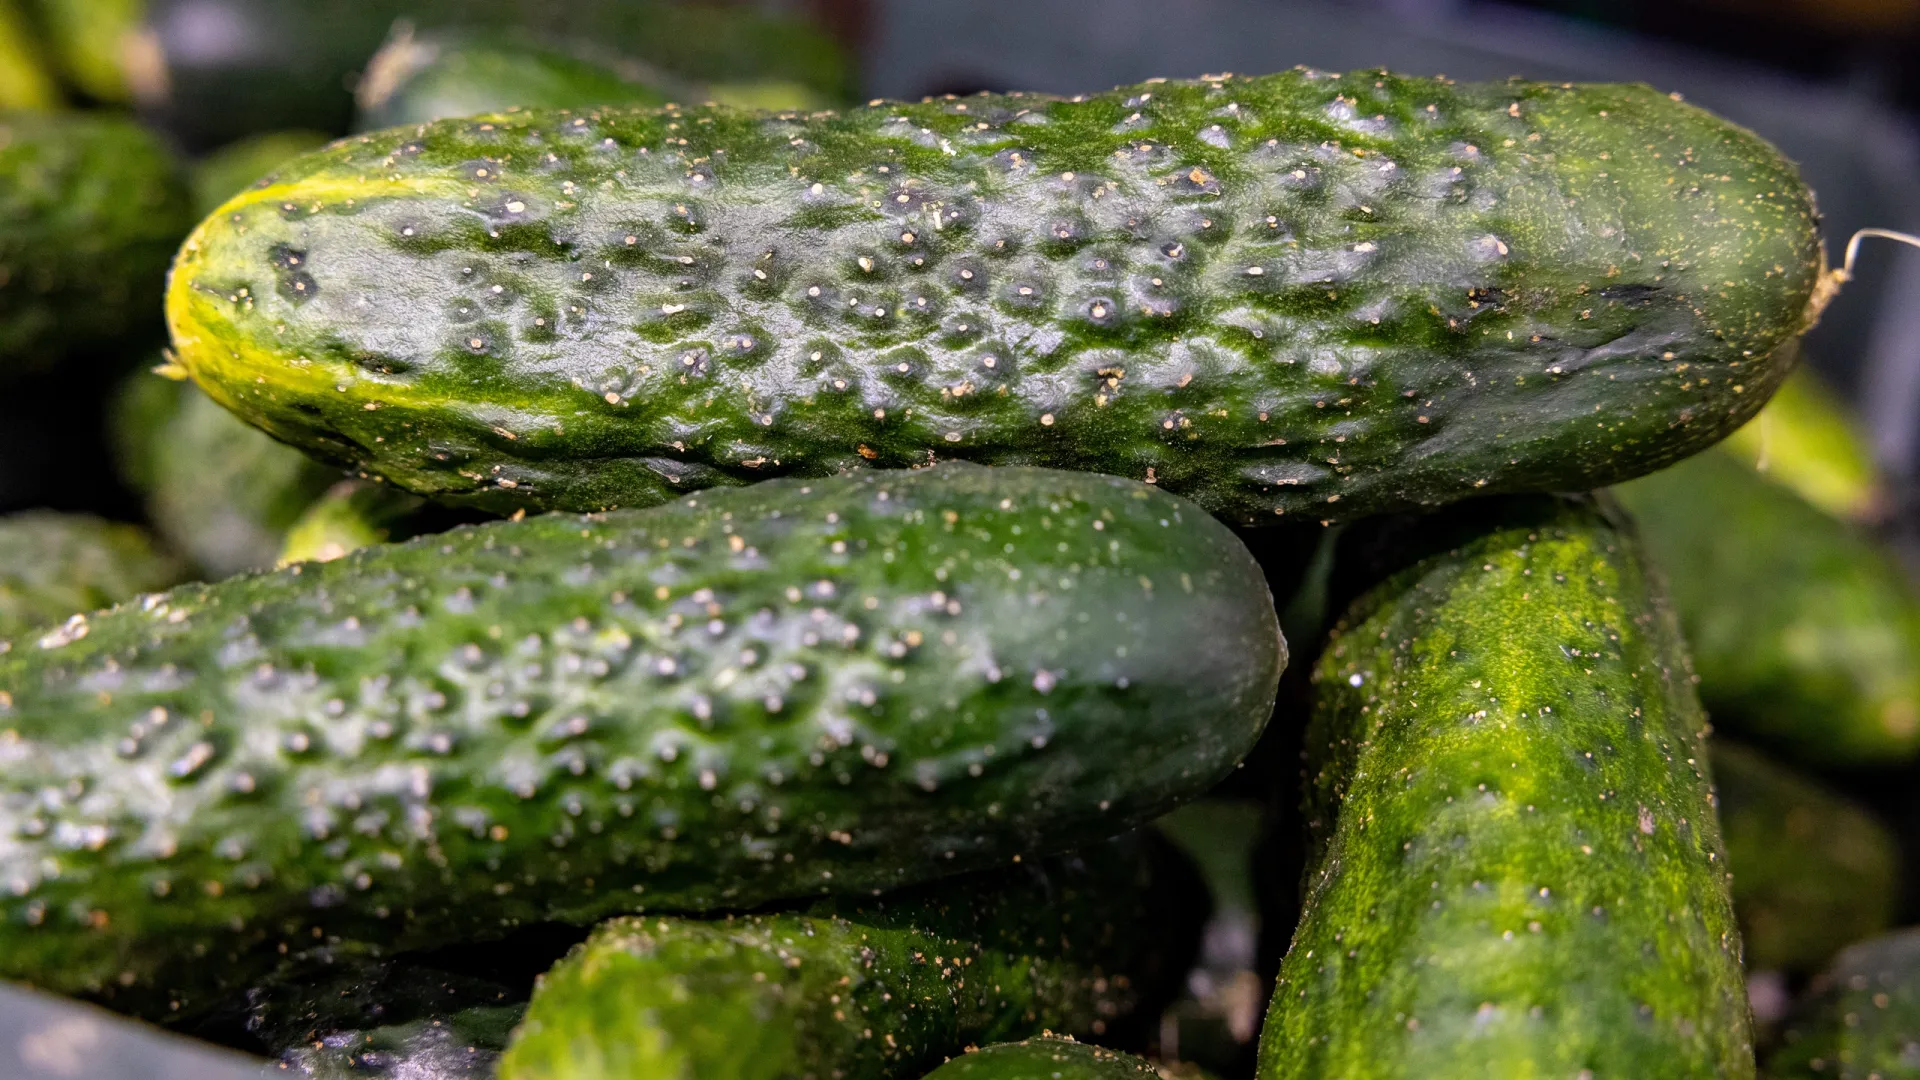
91,207
1861,1018
56,565
1806,635
419,78
864,990
1519,865
1046,1059
1812,870
1297,293
777,692
352,514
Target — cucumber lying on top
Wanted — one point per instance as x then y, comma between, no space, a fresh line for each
1518,863
1303,293
797,689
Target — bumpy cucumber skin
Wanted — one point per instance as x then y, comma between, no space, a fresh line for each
1813,871
419,79
220,492
880,989
1046,1059
887,677
1297,293
54,565
231,169
1805,634
93,206
1860,1020
1519,863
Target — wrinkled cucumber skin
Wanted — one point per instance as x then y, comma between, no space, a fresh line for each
870,989
1519,868
1046,1059
887,677
1305,294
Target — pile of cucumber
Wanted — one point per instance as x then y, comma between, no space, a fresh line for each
649,572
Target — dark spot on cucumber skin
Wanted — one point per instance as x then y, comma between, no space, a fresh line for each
1393,224
564,717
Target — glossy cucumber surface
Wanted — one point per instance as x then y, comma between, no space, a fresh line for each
1518,867
1302,293
797,689
1046,1059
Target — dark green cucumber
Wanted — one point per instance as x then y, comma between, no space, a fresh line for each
221,492
290,63
1519,872
419,78
1805,633
776,692
1860,1020
91,207
1297,293
878,989
55,565
1812,870
352,514
231,169
1046,1058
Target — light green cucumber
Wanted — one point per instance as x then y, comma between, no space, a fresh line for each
1517,867
1046,1058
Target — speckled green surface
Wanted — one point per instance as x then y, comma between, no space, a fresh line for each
1046,1059
1519,870
1861,1018
53,565
93,206
1805,633
793,689
1812,870
880,989
1299,293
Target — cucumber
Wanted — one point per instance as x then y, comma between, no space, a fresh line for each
96,44
25,82
1290,294
558,719
1215,1024
1518,870
418,78
1808,441
221,492
413,1018
290,63
54,565
864,990
352,514
1860,1020
231,169
91,207
1812,870
1046,1058
1805,633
